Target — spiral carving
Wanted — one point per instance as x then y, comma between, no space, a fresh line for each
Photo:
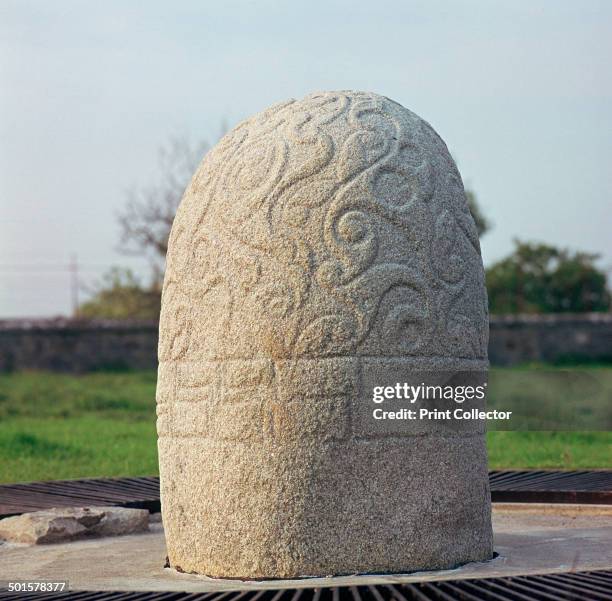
355,205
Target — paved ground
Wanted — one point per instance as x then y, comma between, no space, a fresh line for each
530,539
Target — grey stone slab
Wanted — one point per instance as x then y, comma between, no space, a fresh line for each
532,540
70,523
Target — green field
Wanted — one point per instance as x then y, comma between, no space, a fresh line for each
103,424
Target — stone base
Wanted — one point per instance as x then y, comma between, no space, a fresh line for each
530,540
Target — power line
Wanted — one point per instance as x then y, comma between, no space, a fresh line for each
59,266
51,268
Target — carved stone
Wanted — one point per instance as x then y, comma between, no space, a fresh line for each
320,243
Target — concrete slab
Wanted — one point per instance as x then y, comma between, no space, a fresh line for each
530,539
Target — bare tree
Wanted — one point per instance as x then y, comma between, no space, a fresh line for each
483,225
146,218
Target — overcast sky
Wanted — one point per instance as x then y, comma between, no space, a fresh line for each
520,91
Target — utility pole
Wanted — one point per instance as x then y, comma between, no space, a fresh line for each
74,284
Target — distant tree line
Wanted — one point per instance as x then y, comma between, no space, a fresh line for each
538,278
534,278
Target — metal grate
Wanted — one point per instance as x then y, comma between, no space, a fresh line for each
548,486
506,486
583,586
125,492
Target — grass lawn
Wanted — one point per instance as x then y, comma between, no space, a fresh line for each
63,426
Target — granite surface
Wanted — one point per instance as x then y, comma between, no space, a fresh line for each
319,243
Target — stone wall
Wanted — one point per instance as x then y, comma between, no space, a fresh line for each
79,346
550,338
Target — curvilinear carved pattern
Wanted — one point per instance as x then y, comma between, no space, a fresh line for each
336,225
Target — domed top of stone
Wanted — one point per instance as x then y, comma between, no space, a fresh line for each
336,225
